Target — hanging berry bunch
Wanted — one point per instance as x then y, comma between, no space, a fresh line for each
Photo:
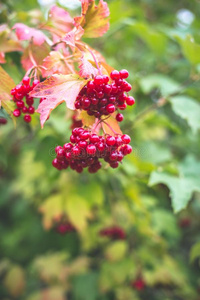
24,103
104,95
95,91
114,232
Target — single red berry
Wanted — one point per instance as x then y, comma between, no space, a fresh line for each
127,149
113,156
60,153
84,135
86,103
110,140
26,80
76,150
17,113
24,110
130,100
114,75
77,105
35,82
114,165
127,87
105,79
67,147
122,106
82,144
94,138
91,149
98,80
72,139
31,110
126,138
27,118
119,117
107,89
110,108
124,74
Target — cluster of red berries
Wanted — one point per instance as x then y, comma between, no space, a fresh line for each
85,150
139,284
114,232
65,227
20,92
99,97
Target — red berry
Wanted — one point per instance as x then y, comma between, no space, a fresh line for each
76,150
91,149
126,138
20,104
124,74
31,110
94,138
27,118
110,108
114,75
122,106
26,80
127,87
110,140
17,113
130,100
35,82
119,117
24,110
98,80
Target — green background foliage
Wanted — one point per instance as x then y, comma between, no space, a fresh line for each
159,43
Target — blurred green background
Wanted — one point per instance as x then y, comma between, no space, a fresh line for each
153,196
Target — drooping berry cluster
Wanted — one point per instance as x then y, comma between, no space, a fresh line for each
114,232
85,150
65,227
104,95
24,103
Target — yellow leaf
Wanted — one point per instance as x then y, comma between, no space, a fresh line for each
86,119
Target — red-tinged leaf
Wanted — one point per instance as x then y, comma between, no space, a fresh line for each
56,63
26,33
94,18
86,68
8,41
111,126
59,22
57,89
34,55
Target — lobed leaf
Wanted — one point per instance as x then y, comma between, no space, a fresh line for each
57,89
94,18
86,68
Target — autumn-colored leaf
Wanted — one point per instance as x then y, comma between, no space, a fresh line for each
33,55
26,33
111,126
73,36
94,18
59,22
86,119
6,84
2,58
57,89
56,63
86,68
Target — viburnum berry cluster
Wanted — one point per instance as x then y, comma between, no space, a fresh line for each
104,95
86,149
114,232
139,284
24,103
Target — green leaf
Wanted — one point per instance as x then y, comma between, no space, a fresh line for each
188,109
165,84
85,287
195,252
182,187
190,49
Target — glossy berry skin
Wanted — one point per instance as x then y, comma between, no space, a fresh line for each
130,101
24,103
27,118
86,149
119,117
104,95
